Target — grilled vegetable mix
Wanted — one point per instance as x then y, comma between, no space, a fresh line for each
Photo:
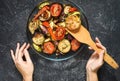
47,28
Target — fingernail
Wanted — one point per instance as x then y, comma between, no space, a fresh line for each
89,47
25,43
96,38
11,50
28,43
18,43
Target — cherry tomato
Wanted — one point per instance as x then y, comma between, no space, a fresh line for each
55,9
48,47
75,44
60,33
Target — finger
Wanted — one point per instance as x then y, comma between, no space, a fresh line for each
101,55
28,45
94,55
17,50
27,56
12,54
20,54
22,47
97,40
90,48
100,46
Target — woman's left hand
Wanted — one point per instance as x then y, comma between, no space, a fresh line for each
25,67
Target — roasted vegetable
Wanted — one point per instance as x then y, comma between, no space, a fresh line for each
60,33
40,12
73,22
72,9
37,47
48,28
43,29
48,48
47,25
56,9
38,38
52,24
43,4
64,46
33,26
66,9
75,45
75,13
45,15
61,24
47,40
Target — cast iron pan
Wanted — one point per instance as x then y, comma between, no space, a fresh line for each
53,56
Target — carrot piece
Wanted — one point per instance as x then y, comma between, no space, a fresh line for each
72,9
47,25
40,12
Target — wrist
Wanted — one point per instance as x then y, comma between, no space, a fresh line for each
90,70
28,78
91,76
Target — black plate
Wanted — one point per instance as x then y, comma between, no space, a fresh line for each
53,56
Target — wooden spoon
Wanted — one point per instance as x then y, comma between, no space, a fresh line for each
83,36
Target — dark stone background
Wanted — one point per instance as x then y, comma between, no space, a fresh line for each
104,21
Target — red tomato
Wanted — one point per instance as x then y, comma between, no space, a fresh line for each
48,47
55,9
60,33
75,44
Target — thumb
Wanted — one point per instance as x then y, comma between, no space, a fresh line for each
101,55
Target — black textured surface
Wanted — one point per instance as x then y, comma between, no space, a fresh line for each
104,21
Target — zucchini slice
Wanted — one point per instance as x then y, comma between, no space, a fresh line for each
64,46
36,47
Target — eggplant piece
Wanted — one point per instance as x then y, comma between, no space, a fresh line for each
46,15
33,26
62,17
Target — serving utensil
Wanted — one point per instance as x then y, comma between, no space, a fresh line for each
83,36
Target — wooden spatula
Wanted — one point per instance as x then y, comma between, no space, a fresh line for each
83,36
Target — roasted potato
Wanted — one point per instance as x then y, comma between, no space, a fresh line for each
73,22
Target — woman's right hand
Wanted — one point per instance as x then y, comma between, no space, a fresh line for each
96,60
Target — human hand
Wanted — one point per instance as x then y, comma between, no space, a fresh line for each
25,67
96,60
